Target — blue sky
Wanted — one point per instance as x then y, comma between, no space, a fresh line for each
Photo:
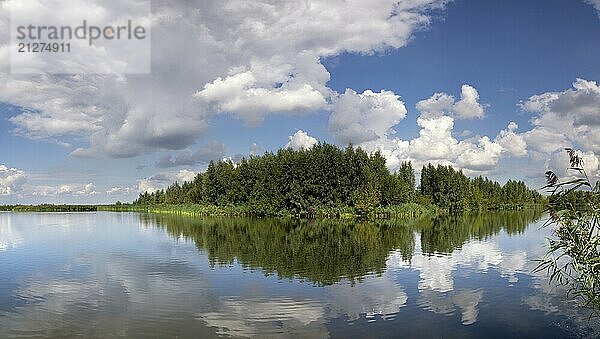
286,86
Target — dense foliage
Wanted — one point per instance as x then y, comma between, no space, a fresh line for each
296,181
452,190
574,254
304,181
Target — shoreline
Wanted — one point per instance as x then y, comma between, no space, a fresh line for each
402,211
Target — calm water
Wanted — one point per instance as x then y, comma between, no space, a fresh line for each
139,275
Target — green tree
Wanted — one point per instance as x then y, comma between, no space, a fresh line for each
325,176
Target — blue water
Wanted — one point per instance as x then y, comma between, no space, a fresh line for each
137,275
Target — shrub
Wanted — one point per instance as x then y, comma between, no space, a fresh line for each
573,257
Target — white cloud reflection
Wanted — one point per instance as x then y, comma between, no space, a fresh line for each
9,237
436,284
435,270
464,300
375,297
249,317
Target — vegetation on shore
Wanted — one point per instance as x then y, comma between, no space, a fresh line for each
48,208
573,258
407,210
327,181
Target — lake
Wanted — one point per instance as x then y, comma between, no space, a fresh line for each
139,275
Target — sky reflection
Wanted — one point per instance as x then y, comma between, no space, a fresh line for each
107,274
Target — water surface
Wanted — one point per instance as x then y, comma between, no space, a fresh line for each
139,275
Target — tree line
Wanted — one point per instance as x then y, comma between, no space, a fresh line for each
450,189
299,181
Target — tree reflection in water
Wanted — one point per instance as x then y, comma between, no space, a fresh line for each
327,251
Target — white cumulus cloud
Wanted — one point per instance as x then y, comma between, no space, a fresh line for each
435,141
11,180
483,157
368,116
437,105
368,119
569,118
468,107
246,58
565,118
163,180
511,142
301,140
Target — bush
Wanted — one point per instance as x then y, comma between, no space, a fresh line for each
573,258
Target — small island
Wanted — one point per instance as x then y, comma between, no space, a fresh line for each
324,181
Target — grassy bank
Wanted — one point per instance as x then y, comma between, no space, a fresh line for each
48,208
409,210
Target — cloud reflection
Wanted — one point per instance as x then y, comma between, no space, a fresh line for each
465,300
435,270
436,281
248,317
9,237
380,296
